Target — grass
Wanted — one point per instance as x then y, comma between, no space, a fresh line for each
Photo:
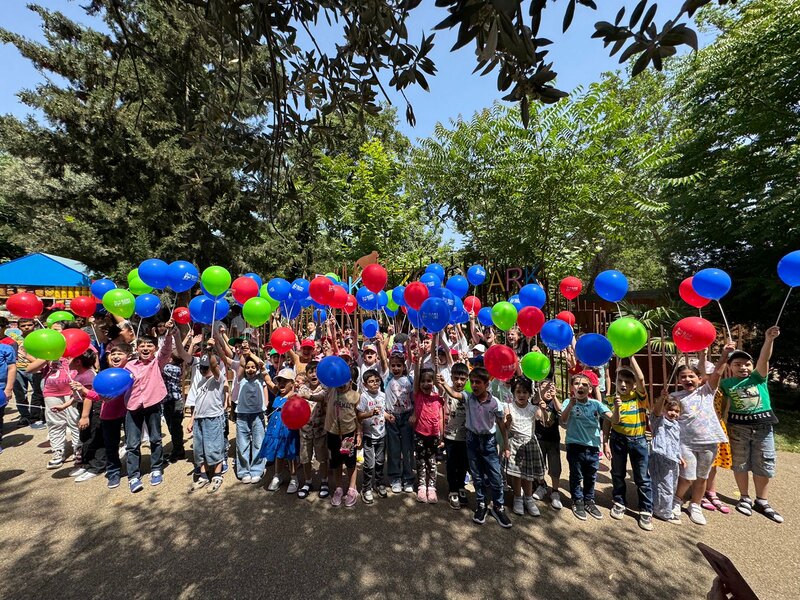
787,432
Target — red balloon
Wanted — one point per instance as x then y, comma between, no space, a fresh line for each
338,297
530,320
374,277
181,315
244,288
472,305
83,306
693,334
351,304
283,339
688,295
25,305
570,287
321,290
295,413
78,342
500,361
567,317
416,293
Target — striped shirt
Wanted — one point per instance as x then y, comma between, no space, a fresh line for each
632,414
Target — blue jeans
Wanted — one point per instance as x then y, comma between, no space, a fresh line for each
400,445
34,412
249,435
636,447
583,464
134,421
484,466
110,461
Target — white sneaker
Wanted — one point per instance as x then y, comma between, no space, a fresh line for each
518,506
408,488
255,479
555,501
696,514
77,472
56,461
676,509
397,488
274,484
530,506
540,493
247,479
292,489
86,476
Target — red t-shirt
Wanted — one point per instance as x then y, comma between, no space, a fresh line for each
428,410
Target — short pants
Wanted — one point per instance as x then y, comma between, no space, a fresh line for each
311,447
699,460
337,458
753,449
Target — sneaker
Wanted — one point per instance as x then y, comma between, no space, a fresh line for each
422,494
676,509
454,501
382,491
408,488
540,493
216,483
275,483
367,497
224,468
591,508
247,479
336,499
479,516
135,485
113,481
530,507
433,498
397,488
579,510
255,479
156,477
77,472
86,476
555,501
351,498
696,514
201,482
646,521
292,486
617,511
499,513
462,496
38,425
519,508
762,507
671,518
56,461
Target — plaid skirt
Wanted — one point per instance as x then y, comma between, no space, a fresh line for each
526,458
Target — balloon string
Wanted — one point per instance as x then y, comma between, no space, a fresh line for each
619,310
40,323
174,302
137,327
780,314
724,318
700,310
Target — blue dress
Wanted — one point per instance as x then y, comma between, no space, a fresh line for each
279,440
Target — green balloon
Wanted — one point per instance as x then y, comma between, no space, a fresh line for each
535,366
216,280
119,302
136,285
627,336
468,387
59,315
333,276
392,305
265,294
256,311
46,344
504,315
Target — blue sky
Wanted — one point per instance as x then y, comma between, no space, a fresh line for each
455,91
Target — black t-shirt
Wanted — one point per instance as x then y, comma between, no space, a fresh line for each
549,434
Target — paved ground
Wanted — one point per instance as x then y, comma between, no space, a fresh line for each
67,540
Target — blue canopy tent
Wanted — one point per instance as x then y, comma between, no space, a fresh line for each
47,275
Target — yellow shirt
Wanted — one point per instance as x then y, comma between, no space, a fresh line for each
632,414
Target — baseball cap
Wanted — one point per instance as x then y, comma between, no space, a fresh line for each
307,343
204,361
344,352
370,348
235,340
285,374
740,354
273,352
479,348
591,376
441,350
454,351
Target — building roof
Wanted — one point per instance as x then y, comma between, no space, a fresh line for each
39,269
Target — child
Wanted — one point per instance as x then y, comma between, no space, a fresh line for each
627,439
91,437
371,408
723,460
549,438
344,436
250,419
8,377
525,465
665,457
370,360
581,416
428,423
484,417
701,431
173,403
280,443
455,435
750,426
399,433
313,440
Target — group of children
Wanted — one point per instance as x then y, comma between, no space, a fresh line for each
412,398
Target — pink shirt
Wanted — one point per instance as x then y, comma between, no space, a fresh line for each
113,408
428,410
148,384
56,377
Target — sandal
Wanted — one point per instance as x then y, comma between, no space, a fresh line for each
714,499
763,507
304,491
324,491
708,504
745,506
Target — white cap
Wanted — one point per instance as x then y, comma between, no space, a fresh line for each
479,348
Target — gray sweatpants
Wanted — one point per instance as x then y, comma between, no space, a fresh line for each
664,475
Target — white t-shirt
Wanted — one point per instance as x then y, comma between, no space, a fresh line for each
210,397
197,379
362,368
522,419
373,427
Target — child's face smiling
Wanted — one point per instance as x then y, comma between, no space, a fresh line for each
285,386
311,375
146,350
373,384
548,391
117,358
741,367
688,380
426,383
250,370
673,412
396,367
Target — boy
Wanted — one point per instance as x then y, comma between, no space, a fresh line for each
371,359
250,427
371,412
627,439
30,413
483,417
399,433
549,438
581,416
313,439
8,377
750,426
455,434
144,406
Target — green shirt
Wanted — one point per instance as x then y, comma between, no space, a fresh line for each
749,400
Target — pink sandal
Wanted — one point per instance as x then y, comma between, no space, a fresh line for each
716,503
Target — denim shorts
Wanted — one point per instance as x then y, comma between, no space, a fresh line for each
753,449
209,440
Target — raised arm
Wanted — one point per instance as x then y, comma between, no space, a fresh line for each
719,368
165,351
637,371
766,350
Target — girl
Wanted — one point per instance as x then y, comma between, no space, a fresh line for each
428,423
280,443
665,457
91,436
250,419
344,436
399,388
723,460
526,464
549,438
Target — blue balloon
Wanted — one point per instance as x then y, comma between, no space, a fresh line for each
431,280
593,349
366,299
344,286
200,309
389,312
155,273
290,309
413,318
101,286
458,306
711,283
370,328
208,294
461,316
435,314
556,334
333,372
485,316
181,275
476,274
147,305
222,309
278,289
458,284
516,302
611,285
436,269
398,295
320,315
304,303
532,295
789,269
436,292
113,382
299,290
255,277
383,299
449,299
